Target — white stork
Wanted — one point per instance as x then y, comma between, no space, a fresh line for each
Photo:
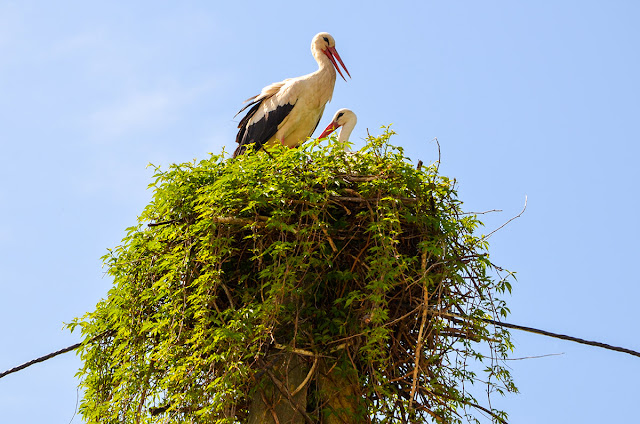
344,118
289,111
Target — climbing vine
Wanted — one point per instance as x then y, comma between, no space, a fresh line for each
360,269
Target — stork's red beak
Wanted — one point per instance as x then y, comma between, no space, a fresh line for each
332,54
330,128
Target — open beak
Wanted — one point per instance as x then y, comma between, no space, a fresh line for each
332,54
330,128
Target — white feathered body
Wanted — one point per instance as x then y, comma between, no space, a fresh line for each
289,111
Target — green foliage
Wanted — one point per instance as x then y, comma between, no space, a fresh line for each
361,259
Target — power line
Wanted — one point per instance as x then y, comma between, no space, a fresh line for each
442,314
562,336
41,359
543,333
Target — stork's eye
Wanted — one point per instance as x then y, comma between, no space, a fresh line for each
340,115
326,39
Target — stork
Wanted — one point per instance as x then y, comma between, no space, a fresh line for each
289,111
344,118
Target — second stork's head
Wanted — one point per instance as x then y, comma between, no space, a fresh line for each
324,42
344,118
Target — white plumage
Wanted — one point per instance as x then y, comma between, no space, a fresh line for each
289,111
344,119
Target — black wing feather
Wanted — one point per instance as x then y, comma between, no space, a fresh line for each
261,131
251,102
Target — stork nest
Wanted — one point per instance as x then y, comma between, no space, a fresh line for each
346,286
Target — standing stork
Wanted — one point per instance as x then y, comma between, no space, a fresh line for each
288,112
344,118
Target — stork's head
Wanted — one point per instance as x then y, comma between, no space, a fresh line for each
324,42
342,118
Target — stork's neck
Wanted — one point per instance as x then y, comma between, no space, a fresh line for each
323,79
324,63
345,131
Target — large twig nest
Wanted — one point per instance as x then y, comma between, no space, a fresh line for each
350,263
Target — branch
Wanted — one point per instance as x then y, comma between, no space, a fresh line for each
534,357
517,216
439,154
239,221
488,411
156,224
351,199
220,220
307,378
425,312
295,350
369,199
362,178
482,213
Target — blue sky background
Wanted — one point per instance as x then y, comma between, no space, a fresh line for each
526,98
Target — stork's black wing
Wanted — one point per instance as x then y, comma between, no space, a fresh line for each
259,132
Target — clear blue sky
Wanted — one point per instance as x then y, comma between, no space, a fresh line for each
526,98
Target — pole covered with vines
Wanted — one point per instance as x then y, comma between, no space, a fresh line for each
310,285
